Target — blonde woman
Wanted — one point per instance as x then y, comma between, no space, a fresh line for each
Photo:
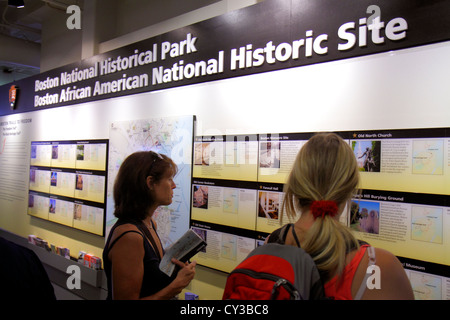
323,180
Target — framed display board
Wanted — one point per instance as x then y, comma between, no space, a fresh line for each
67,183
404,204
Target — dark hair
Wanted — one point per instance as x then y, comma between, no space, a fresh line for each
132,198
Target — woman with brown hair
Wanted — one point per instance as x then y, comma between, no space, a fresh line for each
322,182
133,249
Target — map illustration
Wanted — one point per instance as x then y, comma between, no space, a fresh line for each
229,246
426,224
170,136
230,200
428,157
426,287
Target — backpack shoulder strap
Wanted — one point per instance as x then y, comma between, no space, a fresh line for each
372,261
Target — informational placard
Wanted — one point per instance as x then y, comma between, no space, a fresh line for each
224,202
270,199
227,246
404,160
403,207
277,154
226,157
67,183
412,225
429,281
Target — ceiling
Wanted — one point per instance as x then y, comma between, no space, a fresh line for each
23,26
23,23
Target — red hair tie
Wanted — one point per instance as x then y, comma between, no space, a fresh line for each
321,208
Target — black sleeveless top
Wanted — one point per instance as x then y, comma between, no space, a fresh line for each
154,279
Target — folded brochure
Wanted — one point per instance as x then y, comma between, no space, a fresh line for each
183,249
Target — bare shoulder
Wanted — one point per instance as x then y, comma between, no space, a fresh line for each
394,283
388,262
125,238
126,227
123,231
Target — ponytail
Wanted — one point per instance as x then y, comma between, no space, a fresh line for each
328,242
323,179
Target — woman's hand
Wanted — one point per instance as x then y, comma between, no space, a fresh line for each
185,274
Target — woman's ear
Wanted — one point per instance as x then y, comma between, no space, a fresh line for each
150,182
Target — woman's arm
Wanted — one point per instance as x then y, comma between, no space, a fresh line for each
127,257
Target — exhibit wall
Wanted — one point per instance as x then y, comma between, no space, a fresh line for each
376,94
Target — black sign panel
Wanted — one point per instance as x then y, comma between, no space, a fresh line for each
272,35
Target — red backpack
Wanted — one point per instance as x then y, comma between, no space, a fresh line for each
275,272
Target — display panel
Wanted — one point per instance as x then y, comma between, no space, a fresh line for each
63,154
277,154
41,153
403,207
270,199
237,191
415,160
67,183
429,281
61,210
226,157
91,156
227,246
224,202
62,182
411,225
40,179
38,204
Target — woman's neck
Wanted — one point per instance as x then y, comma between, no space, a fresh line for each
148,221
305,221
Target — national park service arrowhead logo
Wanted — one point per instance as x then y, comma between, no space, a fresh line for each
13,92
